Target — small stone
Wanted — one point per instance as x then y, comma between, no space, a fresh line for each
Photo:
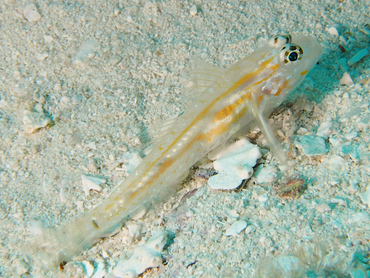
350,136
36,119
333,31
358,56
359,217
324,129
365,197
31,13
357,273
236,228
263,198
311,144
145,256
351,150
134,229
266,174
116,11
233,164
114,60
346,79
91,183
21,267
322,207
338,201
48,39
249,230
88,268
148,5
193,10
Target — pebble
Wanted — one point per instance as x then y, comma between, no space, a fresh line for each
35,119
91,183
193,10
249,229
351,150
134,229
333,31
233,164
236,228
266,174
311,144
350,136
31,13
145,256
346,79
88,268
322,207
358,56
99,271
359,217
365,197
357,273
148,5
324,129
338,201
263,198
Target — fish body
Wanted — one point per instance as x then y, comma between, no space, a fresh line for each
221,103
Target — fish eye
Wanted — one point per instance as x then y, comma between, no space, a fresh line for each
281,40
291,53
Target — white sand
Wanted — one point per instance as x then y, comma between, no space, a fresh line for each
105,70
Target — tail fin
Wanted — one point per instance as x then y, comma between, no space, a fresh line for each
54,247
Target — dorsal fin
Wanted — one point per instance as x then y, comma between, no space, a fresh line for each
200,81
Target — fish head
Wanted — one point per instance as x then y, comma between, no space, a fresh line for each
289,61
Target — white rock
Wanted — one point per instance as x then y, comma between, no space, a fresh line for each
134,229
31,13
35,119
263,198
145,256
359,217
193,10
249,229
148,5
266,174
88,268
350,136
322,207
333,31
233,164
358,56
357,273
99,271
48,39
346,79
91,183
365,197
324,129
236,228
338,201
334,141
311,144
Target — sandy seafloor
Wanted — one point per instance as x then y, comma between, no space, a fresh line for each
103,71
